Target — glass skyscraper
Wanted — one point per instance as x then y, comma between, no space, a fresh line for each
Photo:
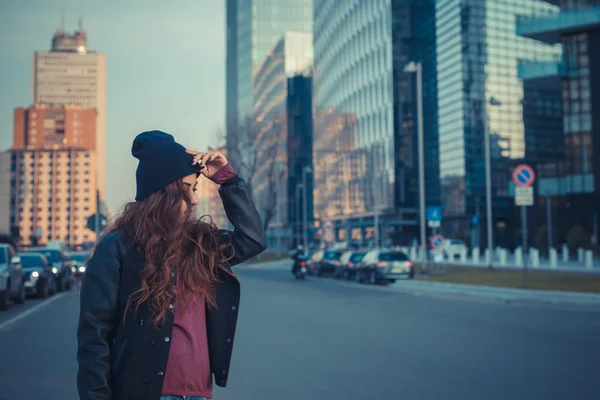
480,92
363,145
253,28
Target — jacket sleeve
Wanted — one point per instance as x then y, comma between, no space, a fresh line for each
98,320
248,235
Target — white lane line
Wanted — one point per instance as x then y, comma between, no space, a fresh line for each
30,311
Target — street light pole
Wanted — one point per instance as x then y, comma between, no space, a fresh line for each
305,170
488,182
417,68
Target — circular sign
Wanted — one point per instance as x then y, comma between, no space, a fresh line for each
437,241
523,175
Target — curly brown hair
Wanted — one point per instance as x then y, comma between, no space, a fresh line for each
173,242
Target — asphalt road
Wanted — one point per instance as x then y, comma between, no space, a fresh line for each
324,339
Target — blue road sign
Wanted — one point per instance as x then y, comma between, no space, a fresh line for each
437,241
434,214
475,220
523,175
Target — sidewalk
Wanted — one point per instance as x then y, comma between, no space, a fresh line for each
588,301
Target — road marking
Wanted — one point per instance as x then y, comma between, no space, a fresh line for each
30,311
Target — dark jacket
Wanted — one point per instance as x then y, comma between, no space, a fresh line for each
126,359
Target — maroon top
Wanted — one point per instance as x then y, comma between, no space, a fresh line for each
223,175
188,366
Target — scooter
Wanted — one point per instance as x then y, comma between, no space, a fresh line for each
299,269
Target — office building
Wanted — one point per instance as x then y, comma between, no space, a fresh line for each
53,194
72,74
5,161
365,180
480,92
44,126
281,102
253,28
573,185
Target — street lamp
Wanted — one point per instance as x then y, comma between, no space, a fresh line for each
305,170
415,67
488,182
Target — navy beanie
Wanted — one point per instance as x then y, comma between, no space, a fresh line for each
161,161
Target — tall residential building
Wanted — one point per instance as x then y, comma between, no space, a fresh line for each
5,193
253,28
291,56
71,74
53,194
367,178
45,126
481,93
574,185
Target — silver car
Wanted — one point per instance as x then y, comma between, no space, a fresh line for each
12,285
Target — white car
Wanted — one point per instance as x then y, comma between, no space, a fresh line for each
453,248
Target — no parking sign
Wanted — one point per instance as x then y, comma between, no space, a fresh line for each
436,241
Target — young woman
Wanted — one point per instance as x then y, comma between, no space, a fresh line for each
159,302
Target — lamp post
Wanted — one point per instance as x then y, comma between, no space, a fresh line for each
416,67
488,182
305,170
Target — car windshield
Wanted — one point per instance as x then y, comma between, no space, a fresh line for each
2,255
81,257
357,257
395,256
31,261
53,256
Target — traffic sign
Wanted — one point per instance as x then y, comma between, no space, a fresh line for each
436,241
523,175
434,216
524,196
91,222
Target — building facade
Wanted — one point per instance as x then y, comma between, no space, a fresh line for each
481,93
45,126
71,74
365,177
253,28
291,56
572,187
53,192
5,174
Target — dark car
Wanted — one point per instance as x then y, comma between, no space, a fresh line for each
78,262
39,279
348,263
60,264
328,263
12,283
384,266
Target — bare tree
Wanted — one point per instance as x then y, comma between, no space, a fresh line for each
275,175
242,150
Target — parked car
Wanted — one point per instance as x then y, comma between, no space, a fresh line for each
12,283
60,264
328,263
348,263
78,262
384,265
453,248
314,260
39,278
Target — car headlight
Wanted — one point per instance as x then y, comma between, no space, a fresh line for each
35,274
82,268
54,270
73,269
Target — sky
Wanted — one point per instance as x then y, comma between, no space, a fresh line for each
165,62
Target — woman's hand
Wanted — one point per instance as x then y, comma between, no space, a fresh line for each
212,161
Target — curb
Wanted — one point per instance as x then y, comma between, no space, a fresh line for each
509,295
